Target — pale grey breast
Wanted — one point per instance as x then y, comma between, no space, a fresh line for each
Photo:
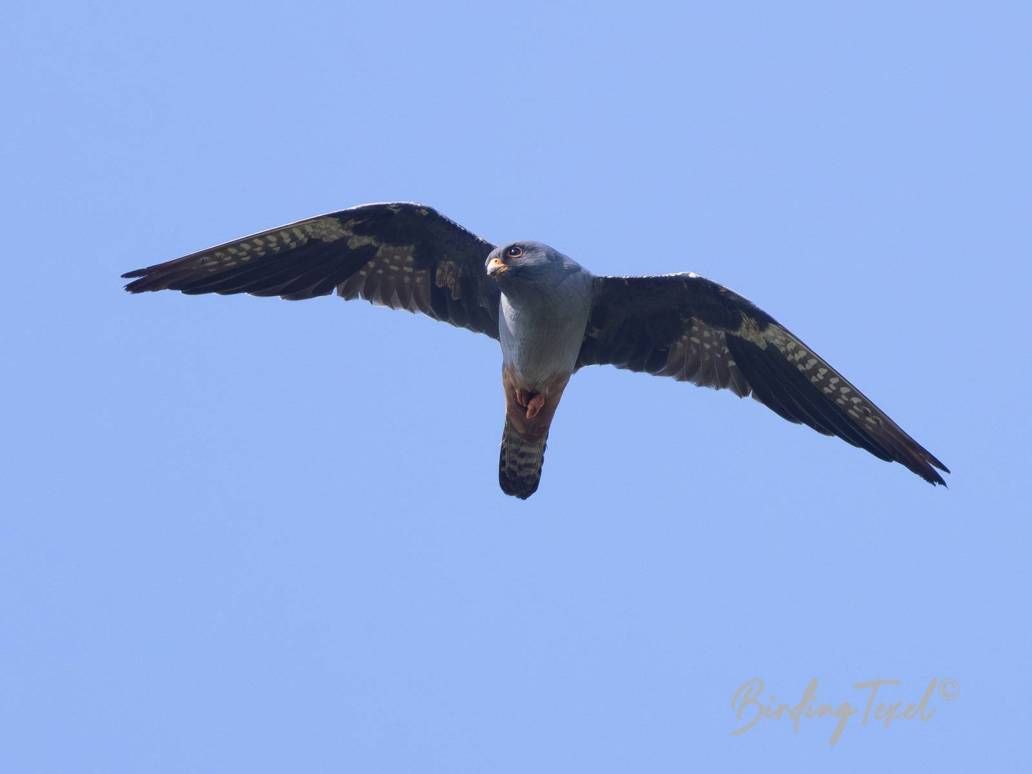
541,334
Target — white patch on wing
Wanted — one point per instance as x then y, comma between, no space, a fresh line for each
823,376
750,331
355,242
326,229
449,276
390,279
701,356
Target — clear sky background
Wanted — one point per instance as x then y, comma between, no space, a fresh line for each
244,534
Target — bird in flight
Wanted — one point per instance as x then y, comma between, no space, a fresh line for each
551,317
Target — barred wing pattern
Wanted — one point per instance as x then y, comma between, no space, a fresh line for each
405,256
687,327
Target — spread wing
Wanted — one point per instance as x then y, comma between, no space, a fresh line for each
405,256
687,327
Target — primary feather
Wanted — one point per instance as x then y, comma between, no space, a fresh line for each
551,317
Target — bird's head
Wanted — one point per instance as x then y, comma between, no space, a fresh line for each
521,263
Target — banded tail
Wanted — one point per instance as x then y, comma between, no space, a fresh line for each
528,417
519,466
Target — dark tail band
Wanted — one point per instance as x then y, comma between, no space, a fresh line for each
519,466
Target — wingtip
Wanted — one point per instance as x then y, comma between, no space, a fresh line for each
133,287
138,277
931,475
927,465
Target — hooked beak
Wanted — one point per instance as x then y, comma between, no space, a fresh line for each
496,266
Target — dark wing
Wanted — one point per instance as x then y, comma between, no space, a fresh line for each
694,330
405,256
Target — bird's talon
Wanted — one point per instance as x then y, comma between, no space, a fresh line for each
535,405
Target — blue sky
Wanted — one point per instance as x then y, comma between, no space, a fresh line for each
242,534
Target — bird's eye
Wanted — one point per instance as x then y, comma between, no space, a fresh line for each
514,252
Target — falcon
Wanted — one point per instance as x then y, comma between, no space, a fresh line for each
551,317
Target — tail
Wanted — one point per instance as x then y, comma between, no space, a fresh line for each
523,454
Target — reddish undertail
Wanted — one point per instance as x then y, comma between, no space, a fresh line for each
528,417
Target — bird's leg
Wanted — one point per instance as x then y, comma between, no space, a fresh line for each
535,404
532,401
522,397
